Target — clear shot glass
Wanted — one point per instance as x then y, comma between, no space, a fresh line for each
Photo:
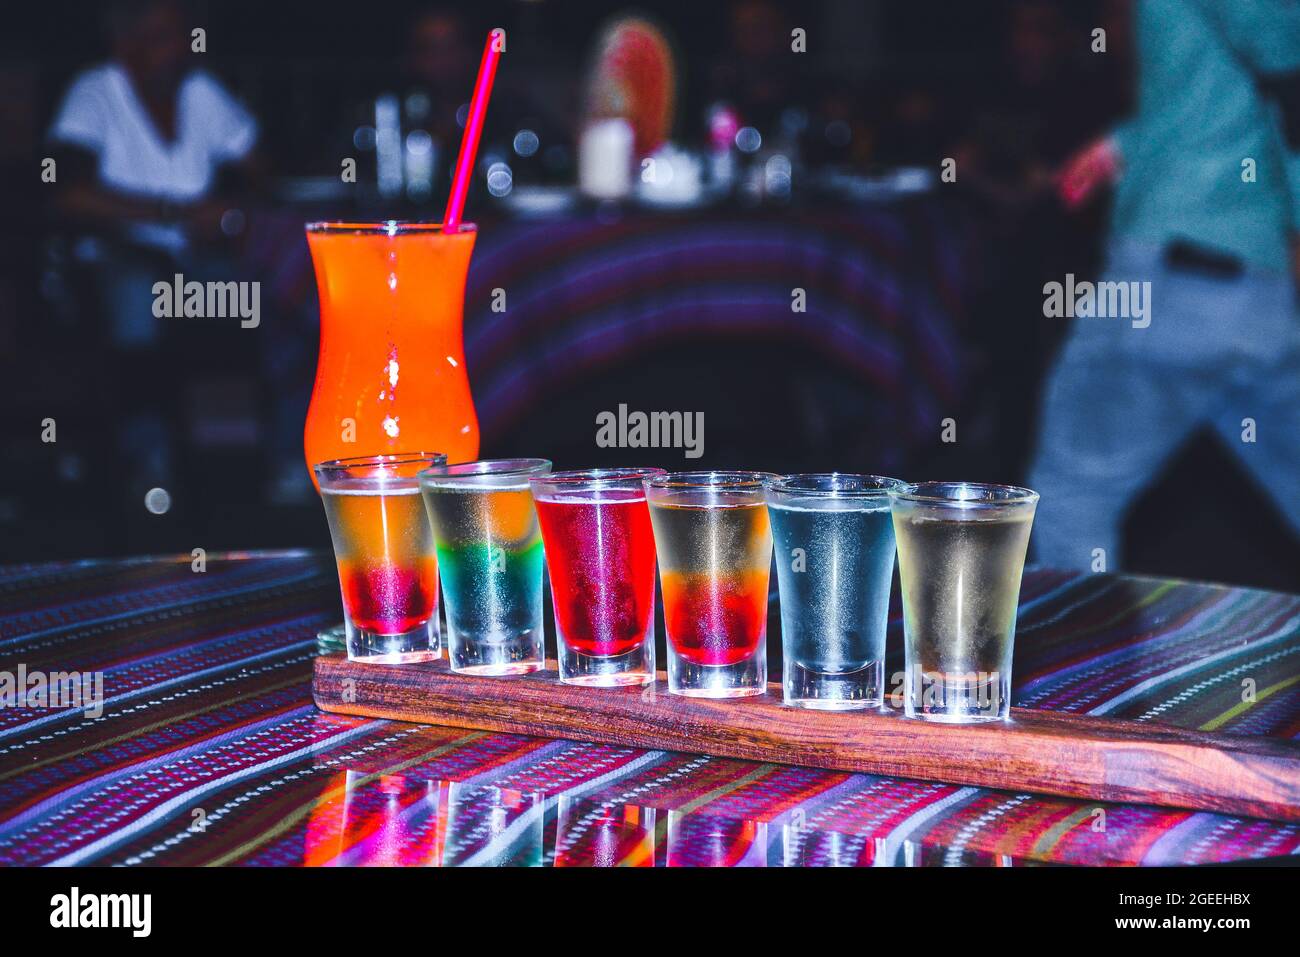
961,554
490,560
834,539
600,552
388,570
714,545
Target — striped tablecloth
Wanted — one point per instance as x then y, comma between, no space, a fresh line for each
209,750
884,287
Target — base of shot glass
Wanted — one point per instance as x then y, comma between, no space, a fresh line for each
635,667
957,697
496,657
332,639
842,691
419,644
744,679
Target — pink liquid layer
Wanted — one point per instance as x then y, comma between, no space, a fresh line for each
714,619
389,599
601,557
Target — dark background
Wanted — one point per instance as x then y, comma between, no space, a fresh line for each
915,80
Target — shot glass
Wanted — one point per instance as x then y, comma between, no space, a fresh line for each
490,559
715,555
834,541
961,553
600,552
388,570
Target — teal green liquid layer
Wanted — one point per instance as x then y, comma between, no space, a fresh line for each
492,593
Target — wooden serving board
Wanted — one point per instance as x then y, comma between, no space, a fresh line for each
1049,753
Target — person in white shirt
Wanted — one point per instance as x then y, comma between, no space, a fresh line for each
141,143
145,136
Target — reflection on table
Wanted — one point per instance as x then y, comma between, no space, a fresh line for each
209,750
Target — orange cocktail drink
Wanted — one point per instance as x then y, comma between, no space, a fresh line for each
391,375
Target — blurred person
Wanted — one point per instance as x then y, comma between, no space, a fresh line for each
140,143
1041,104
440,65
437,73
1047,97
756,75
1207,210
142,138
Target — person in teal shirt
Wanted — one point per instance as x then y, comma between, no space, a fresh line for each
1203,236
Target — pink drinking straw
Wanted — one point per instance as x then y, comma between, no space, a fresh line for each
487,71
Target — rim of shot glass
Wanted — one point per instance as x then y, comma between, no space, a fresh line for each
856,485
376,472
715,488
485,474
573,481
384,227
738,480
965,495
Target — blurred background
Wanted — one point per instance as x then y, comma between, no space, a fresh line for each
774,170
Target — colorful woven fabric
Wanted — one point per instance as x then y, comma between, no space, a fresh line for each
884,287
209,750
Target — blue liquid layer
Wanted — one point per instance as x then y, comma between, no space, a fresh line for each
834,565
